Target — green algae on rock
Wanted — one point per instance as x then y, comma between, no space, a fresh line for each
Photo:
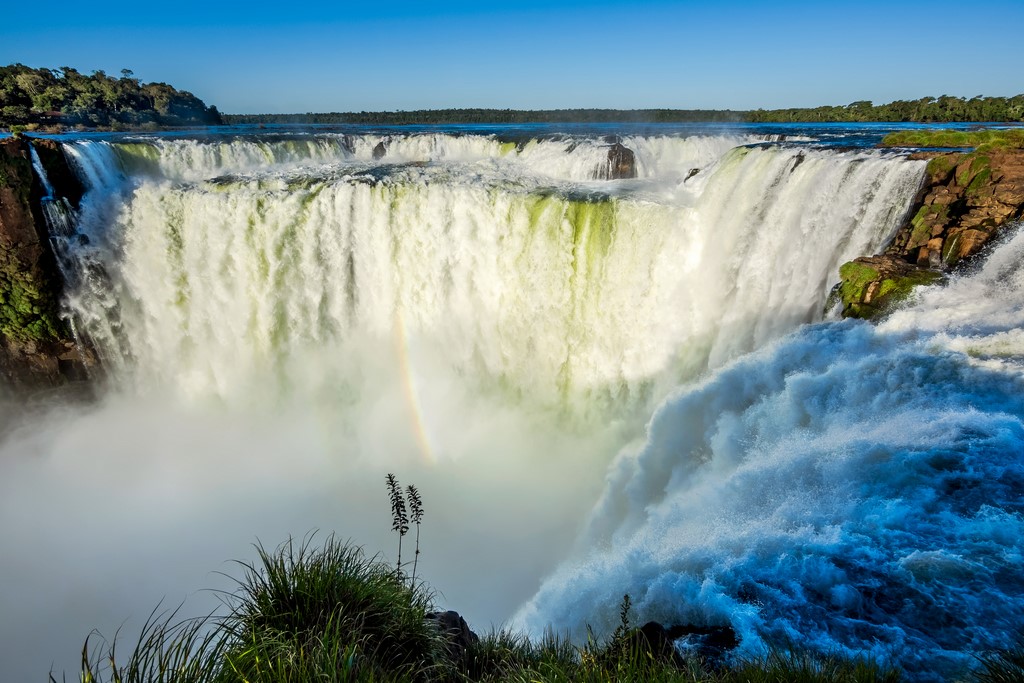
872,285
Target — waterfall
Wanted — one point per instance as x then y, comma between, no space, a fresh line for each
37,165
244,262
59,216
285,318
853,489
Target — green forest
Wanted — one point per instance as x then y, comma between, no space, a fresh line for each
513,116
945,109
926,110
64,97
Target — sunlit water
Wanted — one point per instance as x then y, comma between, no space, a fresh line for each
285,319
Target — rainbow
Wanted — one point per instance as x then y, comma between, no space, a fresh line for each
409,383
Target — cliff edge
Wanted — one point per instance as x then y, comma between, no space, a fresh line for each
965,200
37,349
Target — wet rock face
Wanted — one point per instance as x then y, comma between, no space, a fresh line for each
872,285
621,162
966,199
59,172
36,347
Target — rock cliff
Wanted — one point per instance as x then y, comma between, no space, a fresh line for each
964,202
36,346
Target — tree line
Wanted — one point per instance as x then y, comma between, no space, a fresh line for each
944,109
493,116
66,97
925,110
40,97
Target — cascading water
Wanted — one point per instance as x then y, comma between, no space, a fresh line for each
285,318
227,274
59,215
852,489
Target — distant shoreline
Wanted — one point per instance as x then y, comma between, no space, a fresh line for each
926,110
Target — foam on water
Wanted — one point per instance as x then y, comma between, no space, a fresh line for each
578,293
850,488
284,320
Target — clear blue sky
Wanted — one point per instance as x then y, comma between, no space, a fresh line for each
333,55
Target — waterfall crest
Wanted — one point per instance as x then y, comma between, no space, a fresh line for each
230,263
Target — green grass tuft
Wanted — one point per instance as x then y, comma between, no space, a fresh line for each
305,603
302,613
1002,667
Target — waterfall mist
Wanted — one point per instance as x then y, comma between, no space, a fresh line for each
284,321
851,488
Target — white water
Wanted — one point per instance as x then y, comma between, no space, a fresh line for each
851,488
284,322
37,166
662,158
278,279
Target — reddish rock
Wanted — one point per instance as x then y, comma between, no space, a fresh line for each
965,200
36,348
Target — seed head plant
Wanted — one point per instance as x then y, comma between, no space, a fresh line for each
416,506
399,516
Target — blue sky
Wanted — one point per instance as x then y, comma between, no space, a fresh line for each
339,56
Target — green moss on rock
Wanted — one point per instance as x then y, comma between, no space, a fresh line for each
29,290
872,286
940,167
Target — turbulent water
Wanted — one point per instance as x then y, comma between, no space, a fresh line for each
851,488
237,263
283,318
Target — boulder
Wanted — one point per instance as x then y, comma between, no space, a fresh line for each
379,151
621,162
711,644
454,627
870,285
652,640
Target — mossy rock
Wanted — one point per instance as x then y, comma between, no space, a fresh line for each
940,167
971,168
872,286
29,282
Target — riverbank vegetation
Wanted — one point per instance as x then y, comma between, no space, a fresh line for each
329,612
981,140
63,97
944,109
46,98
494,116
925,110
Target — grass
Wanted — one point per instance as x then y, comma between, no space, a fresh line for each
983,140
1002,667
307,613
331,605
301,613
328,613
